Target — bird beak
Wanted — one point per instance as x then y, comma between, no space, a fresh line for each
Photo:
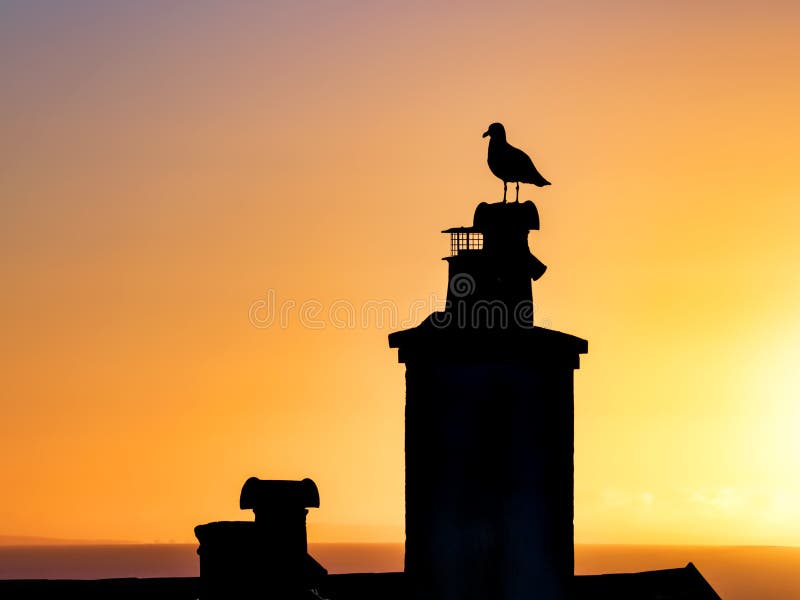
485,133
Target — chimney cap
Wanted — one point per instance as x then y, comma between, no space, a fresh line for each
500,216
265,493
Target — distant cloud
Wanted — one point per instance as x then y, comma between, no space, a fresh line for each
727,499
613,498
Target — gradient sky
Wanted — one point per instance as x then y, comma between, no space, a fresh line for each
165,168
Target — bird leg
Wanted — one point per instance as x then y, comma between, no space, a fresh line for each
505,187
517,200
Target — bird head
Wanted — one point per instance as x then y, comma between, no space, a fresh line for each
496,130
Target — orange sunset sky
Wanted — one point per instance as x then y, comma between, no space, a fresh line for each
170,171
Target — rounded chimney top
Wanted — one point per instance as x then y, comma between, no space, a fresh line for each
506,216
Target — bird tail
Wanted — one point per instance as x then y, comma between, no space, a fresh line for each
536,179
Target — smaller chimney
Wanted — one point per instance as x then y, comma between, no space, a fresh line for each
267,557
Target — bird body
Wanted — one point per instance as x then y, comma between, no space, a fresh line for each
509,163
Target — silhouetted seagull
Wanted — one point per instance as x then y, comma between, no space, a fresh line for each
509,163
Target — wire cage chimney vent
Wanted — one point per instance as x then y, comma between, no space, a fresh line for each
464,239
